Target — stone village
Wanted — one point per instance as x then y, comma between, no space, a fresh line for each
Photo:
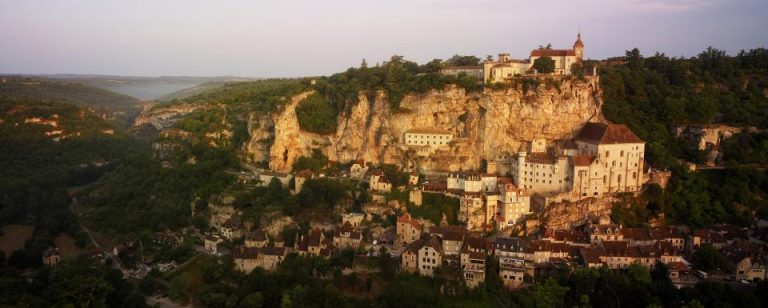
500,216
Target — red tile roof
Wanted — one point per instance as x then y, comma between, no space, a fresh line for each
306,173
552,52
406,218
257,235
583,160
428,130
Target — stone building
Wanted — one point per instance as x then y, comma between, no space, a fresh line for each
431,137
256,239
602,159
300,178
353,219
513,204
430,256
211,242
408,230
504,67
248,258
245,258
750,270
379,182
474,272
358,169
618,156
473,246
452,239
413,179
470,70
409,259
541,172
51,256
512,272
472,210
313,244
347,237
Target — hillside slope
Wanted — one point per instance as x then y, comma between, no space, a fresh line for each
119,108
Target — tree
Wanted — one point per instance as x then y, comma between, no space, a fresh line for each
634,59
253,300
80,282
548,294
459,60
544,65
707,259
577,70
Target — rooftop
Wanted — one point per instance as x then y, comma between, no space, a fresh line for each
427,130
602,133
552,52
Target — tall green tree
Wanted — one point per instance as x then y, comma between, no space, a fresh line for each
544,65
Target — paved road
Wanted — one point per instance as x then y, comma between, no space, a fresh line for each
163,302
115,262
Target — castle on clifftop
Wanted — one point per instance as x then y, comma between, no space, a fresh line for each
505,67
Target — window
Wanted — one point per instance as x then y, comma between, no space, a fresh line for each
621,154
607,154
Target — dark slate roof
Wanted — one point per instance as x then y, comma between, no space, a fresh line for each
607,134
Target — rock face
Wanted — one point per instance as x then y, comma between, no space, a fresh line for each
563,216
162,118
483,125
290,142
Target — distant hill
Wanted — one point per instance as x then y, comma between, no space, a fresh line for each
118,108
144,88
189,92
22,88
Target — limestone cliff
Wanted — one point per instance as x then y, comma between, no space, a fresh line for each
483,125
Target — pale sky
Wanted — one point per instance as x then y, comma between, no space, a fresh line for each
287,38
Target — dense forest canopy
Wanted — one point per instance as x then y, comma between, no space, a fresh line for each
37,170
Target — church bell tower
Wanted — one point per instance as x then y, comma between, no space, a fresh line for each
578,48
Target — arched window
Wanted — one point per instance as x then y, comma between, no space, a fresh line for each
607,154
621,154
605,179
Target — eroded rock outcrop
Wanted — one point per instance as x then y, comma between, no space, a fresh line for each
483,125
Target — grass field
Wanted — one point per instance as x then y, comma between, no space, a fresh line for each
14,237
66,245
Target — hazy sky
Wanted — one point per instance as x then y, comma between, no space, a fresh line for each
280,38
